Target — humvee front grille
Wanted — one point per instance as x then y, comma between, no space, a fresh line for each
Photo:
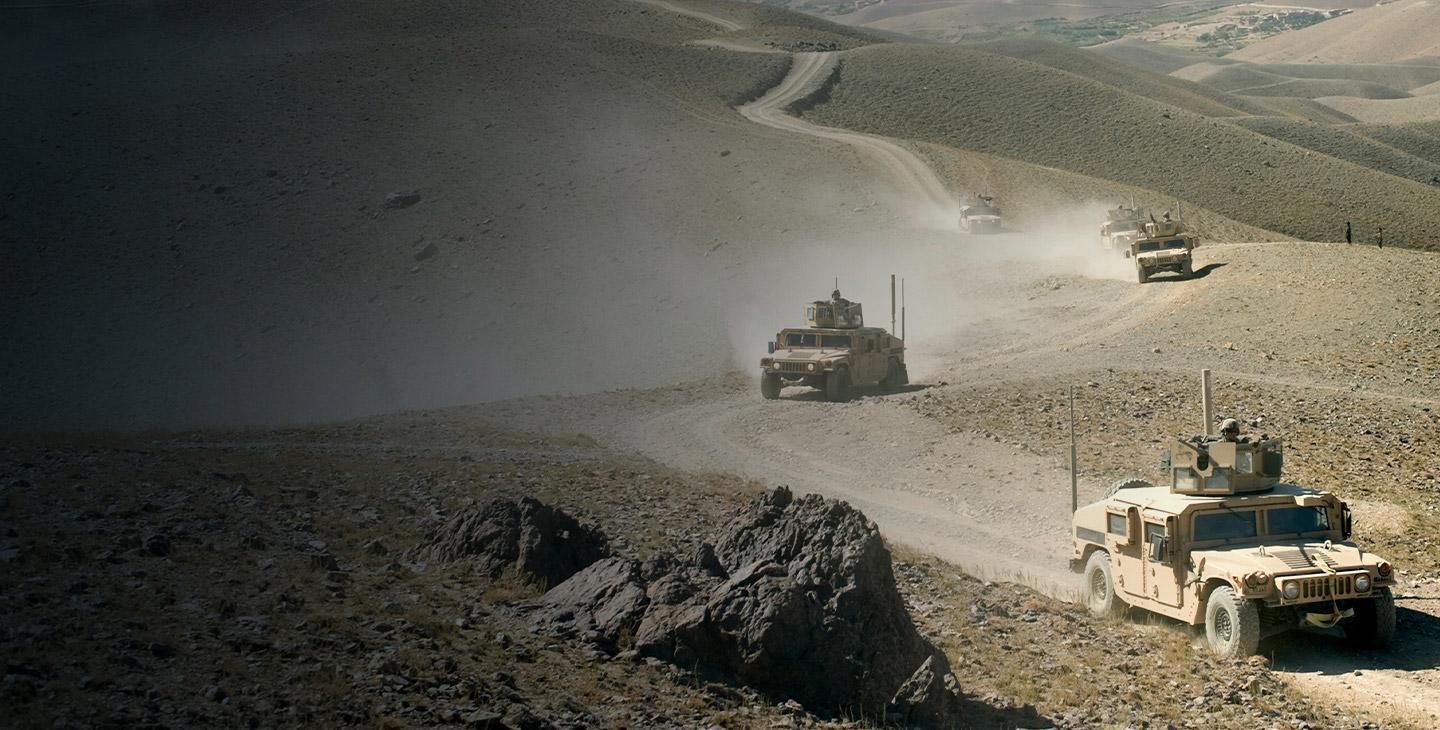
791,367
1326,586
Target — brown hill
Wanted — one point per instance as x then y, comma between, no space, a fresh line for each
989,103
1407,29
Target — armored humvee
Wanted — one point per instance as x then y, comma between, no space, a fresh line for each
834,352
1225,544
981,216
1163,247
1123,225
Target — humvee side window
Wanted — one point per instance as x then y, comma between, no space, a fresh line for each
1154,532
1297,519
800,339
841,341
869,345
1117,524
1224,525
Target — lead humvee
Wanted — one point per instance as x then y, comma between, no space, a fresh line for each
1123,225
1226,545
835,352
1164,247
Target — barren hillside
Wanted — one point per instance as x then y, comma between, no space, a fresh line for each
1396,31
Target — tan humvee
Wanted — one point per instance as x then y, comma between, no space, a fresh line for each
981,216
1123,226
1228,546
1163,247
834,353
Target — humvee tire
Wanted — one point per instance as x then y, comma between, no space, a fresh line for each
1373,625
1187,269
837,385
1127,483
770,386
1098,590
904,374
1141,276
1232,625
893,378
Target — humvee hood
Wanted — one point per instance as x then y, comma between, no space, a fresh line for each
808,354
1283,558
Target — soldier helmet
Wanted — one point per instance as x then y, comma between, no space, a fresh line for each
1229,425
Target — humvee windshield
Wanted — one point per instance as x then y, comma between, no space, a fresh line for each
1144,246
810,339
1231,525
1297,520
982,210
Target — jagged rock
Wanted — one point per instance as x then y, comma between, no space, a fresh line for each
540,542
605,600
797,599
397,200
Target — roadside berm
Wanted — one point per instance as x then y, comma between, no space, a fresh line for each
795,598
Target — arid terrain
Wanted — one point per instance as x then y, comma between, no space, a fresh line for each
291,287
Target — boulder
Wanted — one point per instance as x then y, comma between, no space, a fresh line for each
542,543
796,599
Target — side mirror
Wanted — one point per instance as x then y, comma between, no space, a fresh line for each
1346,525
1157,549
772,346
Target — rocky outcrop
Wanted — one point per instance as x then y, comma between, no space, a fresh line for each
796,598
540,542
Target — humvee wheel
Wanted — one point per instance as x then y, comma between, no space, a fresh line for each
770,386
1098,590
1232,625
1129,483
892,377
904,375
837,385
1187,269
1373,625
1141,276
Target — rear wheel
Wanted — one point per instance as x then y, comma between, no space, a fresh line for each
1232,625
770,386
1373,625
837,385
1098,590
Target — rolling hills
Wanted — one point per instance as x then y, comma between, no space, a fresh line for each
1386,33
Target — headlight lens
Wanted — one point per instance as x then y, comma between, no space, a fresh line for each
1384,569
811,366
1291,590
1362,583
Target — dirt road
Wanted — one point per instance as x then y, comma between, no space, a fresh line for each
809,71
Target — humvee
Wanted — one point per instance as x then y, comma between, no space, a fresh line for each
834,353
981,216
1123,225
1224,544
1163,247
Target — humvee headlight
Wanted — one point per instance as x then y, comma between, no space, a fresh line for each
1291,590
1362,583
1257,579
1384,569
811,366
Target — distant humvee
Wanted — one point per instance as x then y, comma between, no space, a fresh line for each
981,216
1123,225
1164,246
1225,545
834,353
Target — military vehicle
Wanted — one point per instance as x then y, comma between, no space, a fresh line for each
1225,544
834,353
1163,247
981,216
1123,225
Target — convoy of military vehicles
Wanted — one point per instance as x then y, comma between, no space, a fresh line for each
1220,542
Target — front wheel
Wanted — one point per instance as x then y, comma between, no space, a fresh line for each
770,386
1142,276
837,385
1232,624
1187,269
1098,590
1373,625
